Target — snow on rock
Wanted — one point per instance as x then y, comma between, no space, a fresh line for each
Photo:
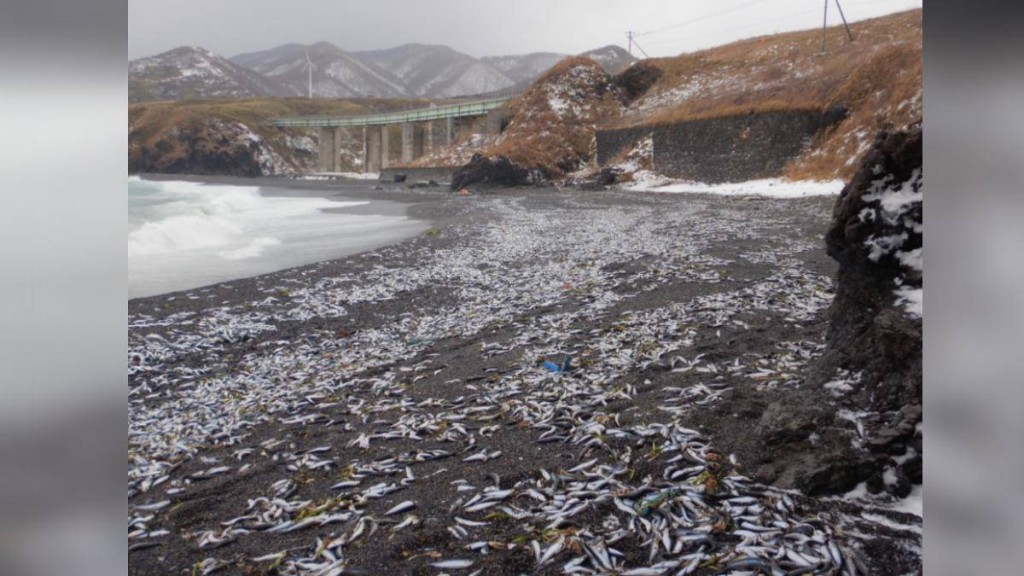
895,206
301,143
269,161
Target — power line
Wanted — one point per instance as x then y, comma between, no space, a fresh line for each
738,28
726,32
700,18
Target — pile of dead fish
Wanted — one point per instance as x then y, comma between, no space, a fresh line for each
695,514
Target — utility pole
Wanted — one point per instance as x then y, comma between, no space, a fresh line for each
824,25
843,16
632,42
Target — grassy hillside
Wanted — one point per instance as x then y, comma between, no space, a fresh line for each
877,77
553,122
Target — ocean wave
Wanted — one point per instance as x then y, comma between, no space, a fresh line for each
177,216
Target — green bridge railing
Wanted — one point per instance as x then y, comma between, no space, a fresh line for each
478,108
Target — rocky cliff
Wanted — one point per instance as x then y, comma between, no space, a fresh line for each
861,415
230,137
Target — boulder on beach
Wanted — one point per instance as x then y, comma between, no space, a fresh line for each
492,171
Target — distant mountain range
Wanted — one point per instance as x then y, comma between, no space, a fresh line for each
407,71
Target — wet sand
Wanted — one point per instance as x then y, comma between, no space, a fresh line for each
413,373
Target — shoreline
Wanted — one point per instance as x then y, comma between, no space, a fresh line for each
394,204
410,373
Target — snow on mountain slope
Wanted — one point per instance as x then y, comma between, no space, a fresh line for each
525,68
193,72
437,71
336,73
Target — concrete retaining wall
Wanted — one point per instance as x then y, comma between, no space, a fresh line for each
730,149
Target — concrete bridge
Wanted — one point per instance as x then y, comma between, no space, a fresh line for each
418,131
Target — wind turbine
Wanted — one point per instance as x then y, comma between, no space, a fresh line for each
310,67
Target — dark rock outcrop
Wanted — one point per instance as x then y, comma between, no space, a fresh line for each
493,171
635,81
876,238
869,379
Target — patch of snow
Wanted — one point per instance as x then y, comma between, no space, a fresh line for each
349,175
768,187
303,143
912,259
558,105
913,503
855,418
882,245
912,300
859,492
889,522
844,382
895,202
900,460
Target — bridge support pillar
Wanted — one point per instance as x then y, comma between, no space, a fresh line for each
449,130
408,141
366,149
329,149
385,147
372,149
428,137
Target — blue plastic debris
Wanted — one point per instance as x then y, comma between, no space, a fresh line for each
565,367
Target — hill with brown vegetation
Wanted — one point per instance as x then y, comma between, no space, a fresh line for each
876,78
875,81
551,126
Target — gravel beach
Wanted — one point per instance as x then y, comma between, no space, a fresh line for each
546,382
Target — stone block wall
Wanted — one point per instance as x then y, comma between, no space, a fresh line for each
728,149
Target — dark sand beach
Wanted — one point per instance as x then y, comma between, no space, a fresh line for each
274,421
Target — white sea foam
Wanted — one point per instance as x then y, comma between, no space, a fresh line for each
186,234
182,216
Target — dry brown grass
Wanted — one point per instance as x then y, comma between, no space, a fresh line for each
149,121
877,77
884,93
557,141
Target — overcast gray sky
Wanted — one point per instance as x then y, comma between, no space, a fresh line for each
476,27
